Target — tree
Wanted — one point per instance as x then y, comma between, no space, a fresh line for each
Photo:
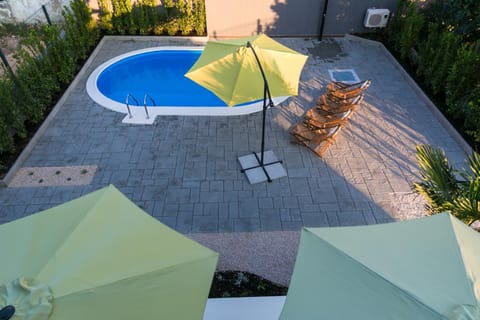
447,189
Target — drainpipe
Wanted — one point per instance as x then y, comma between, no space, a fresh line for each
324,15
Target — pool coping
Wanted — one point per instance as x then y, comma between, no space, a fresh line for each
79,76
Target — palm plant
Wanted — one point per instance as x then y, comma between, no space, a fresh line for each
447,189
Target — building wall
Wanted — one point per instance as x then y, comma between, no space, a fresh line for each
5,12
232,18
347,16
30,10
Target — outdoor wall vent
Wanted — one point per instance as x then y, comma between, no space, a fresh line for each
376,18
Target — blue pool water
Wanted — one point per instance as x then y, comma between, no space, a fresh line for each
160,74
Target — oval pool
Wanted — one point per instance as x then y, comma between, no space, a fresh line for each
159,73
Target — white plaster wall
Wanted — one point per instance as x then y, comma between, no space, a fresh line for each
31,10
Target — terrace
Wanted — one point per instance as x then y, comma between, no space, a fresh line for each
183,170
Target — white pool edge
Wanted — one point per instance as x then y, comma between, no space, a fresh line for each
138,114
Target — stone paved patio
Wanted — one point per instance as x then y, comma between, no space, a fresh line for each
184,170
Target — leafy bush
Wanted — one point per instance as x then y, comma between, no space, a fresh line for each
409,30
149,17
122,21
186,19
464,77
200,17
105,16
47,59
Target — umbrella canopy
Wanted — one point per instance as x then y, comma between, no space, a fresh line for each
427,268
101,257
230,70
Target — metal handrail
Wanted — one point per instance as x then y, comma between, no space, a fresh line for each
145,103
129,95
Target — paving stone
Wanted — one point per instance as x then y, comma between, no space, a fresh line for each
246,225
205,224
248,208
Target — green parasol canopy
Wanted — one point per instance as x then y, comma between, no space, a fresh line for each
427,268
101,257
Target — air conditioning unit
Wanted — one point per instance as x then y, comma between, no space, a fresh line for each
376,18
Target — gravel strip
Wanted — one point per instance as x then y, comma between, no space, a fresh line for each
53,176
270,255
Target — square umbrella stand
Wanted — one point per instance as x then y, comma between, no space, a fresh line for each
271,169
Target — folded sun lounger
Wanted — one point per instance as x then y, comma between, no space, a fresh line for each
317,119
330,106
316,140
345,91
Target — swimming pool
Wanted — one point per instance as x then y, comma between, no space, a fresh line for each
156,76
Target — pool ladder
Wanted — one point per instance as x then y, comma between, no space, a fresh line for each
145,98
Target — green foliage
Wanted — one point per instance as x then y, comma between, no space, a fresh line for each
463,78
473,119
11,119
171,27
200,18
444,36
441,189
122,20
105,16
442,61
427,51
460,16
81,32
438,185
410,32
47,59
148,17
186,19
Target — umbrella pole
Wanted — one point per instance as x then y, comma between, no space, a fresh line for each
266,94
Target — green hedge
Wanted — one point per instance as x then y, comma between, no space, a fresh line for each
441,40
49,57
148,17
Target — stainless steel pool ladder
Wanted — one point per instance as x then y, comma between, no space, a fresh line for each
145,103
129,95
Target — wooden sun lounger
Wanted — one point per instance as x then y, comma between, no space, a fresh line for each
328,106
317,119
316,140
345,91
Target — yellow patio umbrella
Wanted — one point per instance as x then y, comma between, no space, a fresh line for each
101,257
248,69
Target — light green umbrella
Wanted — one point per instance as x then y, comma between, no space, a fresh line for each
101,257
425,269
248,69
